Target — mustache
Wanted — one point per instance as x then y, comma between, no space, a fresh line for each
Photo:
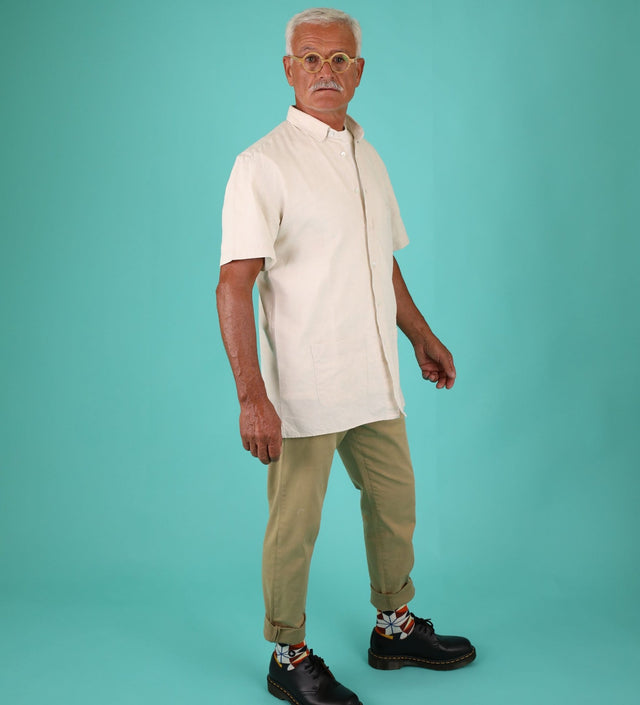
326,83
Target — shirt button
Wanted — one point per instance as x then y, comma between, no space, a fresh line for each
373,264
343,154
356,189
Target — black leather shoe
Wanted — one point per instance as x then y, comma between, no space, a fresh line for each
309,683
423,648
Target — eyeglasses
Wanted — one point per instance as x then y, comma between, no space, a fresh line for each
313,62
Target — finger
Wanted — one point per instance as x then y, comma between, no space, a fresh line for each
254,449
245,444
442,380
274,450
448,366
445,381
263,453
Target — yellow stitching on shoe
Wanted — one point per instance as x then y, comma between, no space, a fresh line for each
422,660
286,692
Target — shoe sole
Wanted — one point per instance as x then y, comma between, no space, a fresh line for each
283,694
392,663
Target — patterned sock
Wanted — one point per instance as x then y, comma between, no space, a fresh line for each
290,655
395,624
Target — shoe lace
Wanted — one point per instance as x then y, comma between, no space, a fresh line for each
315,665
425,625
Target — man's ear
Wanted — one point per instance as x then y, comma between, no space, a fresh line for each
359,69
288,69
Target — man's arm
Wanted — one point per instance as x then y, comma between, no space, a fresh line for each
435,361
259,422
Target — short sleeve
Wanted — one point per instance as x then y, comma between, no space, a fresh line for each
400,237
252,210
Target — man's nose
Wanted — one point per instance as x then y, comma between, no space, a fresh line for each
326,71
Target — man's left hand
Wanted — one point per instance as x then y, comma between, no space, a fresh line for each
435,361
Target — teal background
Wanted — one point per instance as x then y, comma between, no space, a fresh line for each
131,519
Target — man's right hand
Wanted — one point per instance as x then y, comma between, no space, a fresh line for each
260,429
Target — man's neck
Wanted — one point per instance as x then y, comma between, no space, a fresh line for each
335,120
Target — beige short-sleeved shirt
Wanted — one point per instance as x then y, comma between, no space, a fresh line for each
319,207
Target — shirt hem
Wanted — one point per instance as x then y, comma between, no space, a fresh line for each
287,432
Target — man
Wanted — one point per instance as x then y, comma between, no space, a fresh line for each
310,215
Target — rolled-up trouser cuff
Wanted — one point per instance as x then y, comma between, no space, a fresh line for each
391,601
284,635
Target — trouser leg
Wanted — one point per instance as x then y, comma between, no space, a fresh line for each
377,459
296,487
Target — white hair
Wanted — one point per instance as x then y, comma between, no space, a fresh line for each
322,15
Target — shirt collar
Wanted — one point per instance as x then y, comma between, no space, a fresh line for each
318,129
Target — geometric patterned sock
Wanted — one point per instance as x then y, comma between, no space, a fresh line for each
395,624
290,655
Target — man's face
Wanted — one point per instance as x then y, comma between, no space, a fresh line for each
323,92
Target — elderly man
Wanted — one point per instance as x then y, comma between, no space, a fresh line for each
310,214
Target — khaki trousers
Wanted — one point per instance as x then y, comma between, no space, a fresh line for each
376,456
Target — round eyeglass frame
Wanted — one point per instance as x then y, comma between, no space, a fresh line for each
322,61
